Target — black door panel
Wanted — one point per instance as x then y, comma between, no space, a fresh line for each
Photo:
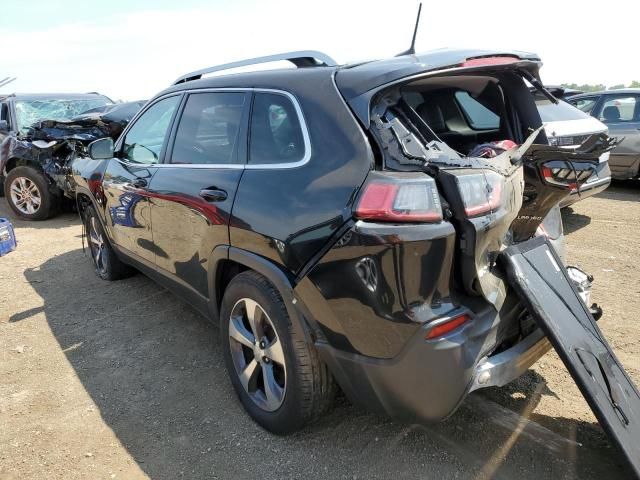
192,194
127,207
186,226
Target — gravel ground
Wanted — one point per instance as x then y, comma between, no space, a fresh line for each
123,380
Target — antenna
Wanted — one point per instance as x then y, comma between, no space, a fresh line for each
412,48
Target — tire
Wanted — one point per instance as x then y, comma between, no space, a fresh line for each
307,388
39,204
107,264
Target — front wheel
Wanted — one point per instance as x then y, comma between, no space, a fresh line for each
28,194
276,374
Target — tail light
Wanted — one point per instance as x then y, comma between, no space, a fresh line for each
481,191
565,176
399,197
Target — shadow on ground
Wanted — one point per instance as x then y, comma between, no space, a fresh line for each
154,368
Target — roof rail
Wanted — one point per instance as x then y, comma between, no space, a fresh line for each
302,58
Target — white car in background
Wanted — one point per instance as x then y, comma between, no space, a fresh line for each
567,126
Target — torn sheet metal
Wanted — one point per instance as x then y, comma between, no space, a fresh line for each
536,273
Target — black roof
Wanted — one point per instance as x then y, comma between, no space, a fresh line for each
359,78
356,80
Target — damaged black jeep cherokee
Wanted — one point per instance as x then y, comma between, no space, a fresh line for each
341,223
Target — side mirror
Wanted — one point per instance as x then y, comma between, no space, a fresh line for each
101,149
4,126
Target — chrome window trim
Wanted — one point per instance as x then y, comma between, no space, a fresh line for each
244,166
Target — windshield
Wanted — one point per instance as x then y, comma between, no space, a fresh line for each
29,112
552,112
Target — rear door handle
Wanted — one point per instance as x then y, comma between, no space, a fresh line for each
213,194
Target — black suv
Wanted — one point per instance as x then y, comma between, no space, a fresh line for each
341,223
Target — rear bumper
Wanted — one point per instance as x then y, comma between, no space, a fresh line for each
429,379
500,369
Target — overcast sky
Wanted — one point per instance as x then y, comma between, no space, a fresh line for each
132,52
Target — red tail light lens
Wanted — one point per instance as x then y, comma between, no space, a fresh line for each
399,197
481,191
448,326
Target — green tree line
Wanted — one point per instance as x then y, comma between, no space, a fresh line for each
594,88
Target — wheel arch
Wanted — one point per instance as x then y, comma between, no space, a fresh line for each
228,261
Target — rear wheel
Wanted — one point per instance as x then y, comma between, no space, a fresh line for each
276,374
28,194
108,266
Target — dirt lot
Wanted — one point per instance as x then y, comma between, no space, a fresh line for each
122,380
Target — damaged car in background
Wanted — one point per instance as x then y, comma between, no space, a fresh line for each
41,134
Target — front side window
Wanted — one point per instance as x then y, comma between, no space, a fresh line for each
478,116
276,133
145,138
208,129
620,108
584,104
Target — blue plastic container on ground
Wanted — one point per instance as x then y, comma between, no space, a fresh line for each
7,237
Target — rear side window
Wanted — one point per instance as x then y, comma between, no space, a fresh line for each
208,129
478,116
145,138
276,134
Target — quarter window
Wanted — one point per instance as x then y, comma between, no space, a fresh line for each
208,129
478,116
145,138
276,133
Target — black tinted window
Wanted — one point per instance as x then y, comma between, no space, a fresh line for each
208,129
144,140
276,134
478,116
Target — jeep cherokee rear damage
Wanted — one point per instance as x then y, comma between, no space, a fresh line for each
511,196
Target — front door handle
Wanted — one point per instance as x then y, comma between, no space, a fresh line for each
213,194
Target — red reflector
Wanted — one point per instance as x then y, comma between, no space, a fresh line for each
480,62
448,326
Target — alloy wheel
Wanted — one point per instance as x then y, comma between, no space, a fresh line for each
257,354
96,245
25,195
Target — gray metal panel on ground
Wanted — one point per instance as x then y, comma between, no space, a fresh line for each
538,276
